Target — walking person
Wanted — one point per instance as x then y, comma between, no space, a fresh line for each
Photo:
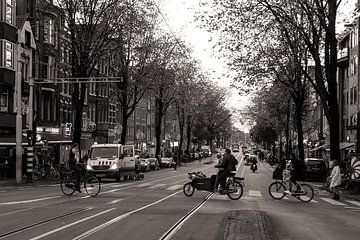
335,180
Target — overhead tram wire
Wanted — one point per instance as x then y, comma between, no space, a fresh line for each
77,80
167,24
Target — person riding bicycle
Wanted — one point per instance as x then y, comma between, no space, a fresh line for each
228,164
75,164
297,172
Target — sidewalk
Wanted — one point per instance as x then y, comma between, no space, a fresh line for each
12,182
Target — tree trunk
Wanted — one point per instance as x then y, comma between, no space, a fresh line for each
188,132
299,126
181,117
158,118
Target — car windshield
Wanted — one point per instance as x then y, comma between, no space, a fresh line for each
104,152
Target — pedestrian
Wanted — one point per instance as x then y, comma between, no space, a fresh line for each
335,180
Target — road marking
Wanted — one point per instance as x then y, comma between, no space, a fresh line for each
157,186
354,202
172,188
333,202
254,193
144,185
114,220
27,201
71,224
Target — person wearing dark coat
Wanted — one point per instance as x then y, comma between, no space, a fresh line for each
228,164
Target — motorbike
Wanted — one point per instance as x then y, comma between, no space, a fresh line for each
253,167
199,181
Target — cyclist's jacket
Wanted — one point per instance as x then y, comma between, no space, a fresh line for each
228,163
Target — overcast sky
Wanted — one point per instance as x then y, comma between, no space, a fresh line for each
179,15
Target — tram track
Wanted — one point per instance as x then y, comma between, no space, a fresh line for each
83,210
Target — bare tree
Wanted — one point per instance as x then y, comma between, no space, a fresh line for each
90,30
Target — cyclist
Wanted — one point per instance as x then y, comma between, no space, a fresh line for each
296,173
74,164
228,164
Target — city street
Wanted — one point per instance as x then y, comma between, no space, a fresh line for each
156,208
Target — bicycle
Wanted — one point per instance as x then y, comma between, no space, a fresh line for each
199,181
92,184
345,180
304,192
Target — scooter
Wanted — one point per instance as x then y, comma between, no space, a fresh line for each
253,167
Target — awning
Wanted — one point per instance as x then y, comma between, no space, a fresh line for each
318,147
344,145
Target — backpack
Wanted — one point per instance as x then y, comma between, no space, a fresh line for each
277,174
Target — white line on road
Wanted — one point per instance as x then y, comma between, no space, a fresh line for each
157,186
71,224
114,220
27,201
354,202
172,188
144,185
254,193
333,202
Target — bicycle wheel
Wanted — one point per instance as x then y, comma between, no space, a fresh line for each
277,190
234,190
67,185
188,189
92,186
307,193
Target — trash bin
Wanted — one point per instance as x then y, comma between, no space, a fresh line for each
3,171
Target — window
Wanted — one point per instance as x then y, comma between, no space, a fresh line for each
9,55
49,31
347,98
24,72
351,95
8,13
4,100
27,39
355,94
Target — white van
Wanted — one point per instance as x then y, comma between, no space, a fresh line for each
111,161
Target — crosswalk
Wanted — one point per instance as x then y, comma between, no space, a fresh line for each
251,194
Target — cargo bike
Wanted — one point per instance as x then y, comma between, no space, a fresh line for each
199,181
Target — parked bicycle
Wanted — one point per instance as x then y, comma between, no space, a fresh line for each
303,191
46,171
92,184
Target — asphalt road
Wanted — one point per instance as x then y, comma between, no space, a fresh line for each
156,208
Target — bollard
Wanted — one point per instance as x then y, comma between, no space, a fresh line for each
29,164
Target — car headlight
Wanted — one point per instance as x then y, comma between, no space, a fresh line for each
114,166
88,167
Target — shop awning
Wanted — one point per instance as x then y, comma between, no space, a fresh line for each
344,145
318,147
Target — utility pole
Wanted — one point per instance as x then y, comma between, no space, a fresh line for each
18,127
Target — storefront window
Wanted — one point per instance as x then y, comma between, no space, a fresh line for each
4,100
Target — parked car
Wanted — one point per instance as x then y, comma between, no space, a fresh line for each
144,165
315,169
154,163
167,162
